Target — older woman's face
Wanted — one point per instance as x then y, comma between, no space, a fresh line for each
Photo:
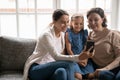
95,22
62,23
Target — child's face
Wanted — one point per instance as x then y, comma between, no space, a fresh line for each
77,24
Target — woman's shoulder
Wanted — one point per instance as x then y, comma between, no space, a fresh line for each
115,33
46,33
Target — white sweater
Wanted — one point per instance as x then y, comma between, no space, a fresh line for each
45,48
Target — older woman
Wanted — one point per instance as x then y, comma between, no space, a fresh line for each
107,46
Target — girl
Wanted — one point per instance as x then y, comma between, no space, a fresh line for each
76,38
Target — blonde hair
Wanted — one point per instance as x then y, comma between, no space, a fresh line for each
76,15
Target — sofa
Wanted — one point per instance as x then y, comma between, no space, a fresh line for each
13,54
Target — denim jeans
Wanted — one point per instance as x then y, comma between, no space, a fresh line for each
59,74
58,70
113,74
110,74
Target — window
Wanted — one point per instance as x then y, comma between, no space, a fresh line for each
8,18
8,25
28,18
69,5
82,6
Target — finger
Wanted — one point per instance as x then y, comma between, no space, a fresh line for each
94,51
84,48
97,73
90,48
92,54
82,64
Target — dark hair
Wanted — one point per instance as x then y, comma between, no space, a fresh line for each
100,12
58,13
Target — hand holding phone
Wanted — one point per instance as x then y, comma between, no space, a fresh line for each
89,44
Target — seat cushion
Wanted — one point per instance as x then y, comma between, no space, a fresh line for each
14,52
9,75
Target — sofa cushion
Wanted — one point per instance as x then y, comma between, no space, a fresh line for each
11,75
14,52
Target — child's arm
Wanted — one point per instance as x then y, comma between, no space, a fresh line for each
68,45
64,52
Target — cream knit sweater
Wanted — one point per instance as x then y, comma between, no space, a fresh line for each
107,48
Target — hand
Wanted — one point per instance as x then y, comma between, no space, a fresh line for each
86,54
96,73
92,54
83,62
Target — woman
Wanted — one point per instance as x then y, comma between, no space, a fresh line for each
41,65
107,46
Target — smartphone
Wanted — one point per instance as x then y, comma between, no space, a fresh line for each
89,44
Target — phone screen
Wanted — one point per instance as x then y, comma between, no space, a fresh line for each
89,44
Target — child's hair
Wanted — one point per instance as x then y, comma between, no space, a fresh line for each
75,16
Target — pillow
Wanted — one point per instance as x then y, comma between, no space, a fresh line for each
14,52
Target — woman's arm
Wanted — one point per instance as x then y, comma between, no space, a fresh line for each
113,65
47,42
115,43
116,48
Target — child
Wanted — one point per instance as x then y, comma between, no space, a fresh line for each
75,39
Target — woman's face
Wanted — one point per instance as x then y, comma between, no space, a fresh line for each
95,22
62,23
77,24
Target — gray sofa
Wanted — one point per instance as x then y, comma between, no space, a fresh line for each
13,54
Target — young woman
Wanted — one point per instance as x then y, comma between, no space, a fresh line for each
107,46
75,39
47,61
